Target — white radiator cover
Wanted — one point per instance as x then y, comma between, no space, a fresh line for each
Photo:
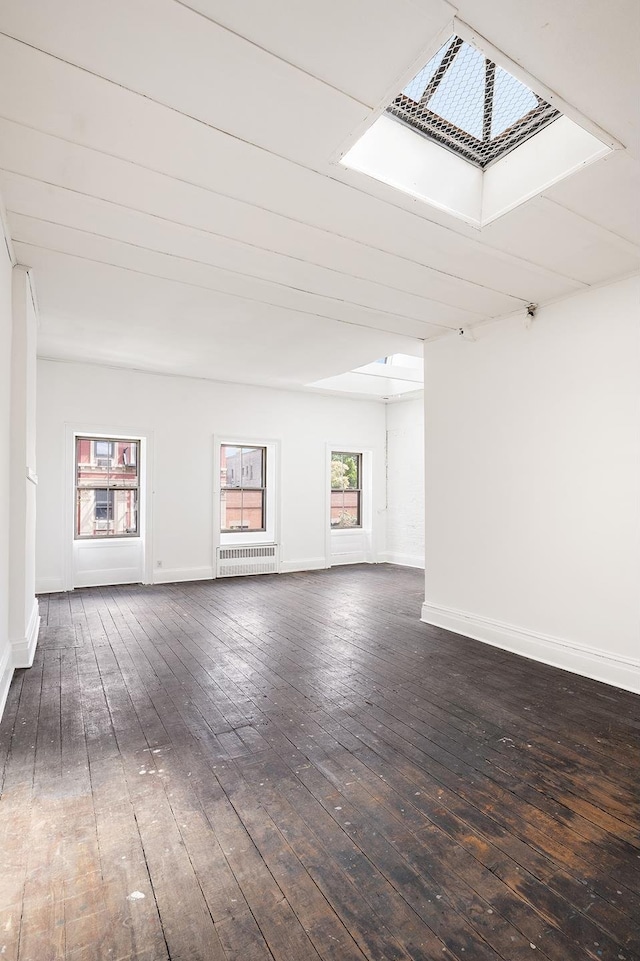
238,561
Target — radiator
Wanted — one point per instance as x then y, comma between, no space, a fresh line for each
236,561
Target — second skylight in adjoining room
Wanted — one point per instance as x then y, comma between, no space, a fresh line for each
465,102
387,378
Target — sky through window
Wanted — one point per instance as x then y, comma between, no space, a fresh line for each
471,105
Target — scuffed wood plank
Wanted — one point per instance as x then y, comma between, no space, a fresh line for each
289,768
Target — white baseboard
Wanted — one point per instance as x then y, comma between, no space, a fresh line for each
50,585
305,564
403,560
6,674
591,662
108,578
349,557
175,574
24,648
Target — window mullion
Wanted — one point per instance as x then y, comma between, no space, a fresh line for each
489,83
438,77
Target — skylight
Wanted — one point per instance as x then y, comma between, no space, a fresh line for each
386,378
471,139
470,105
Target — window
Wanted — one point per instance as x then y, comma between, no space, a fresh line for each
470,105
243,472
107,487
346,490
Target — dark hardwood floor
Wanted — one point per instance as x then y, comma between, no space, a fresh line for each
294,767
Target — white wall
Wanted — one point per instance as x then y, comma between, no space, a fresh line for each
181,416
24,619
405,482
6,667
533,484
19,621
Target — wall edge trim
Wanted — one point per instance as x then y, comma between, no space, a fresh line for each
6,676
403,560
50,585
594,663
303,564
176,574
24,648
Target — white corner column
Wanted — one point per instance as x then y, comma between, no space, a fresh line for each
24,620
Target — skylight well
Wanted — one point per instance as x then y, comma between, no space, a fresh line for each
468,137
470,105
388,377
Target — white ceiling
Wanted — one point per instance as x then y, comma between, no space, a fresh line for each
169,172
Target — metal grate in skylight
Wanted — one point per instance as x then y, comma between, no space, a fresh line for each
470,105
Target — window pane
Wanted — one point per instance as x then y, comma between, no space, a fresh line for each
242,510
252,466
337,472
124,511
352,470
231,510
345,509
101,450
94,508
336,507
345,471
101,463
230,466
103,513
91,470
252,510
123,469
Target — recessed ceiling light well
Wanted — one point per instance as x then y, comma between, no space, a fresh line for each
469,137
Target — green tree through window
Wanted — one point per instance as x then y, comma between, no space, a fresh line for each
346,492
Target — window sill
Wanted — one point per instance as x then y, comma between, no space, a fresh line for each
106,541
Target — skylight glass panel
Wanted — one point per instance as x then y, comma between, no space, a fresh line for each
470,105
415,89
511,101
459,97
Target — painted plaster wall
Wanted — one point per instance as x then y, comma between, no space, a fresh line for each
533,480
6,668
405,482
181,416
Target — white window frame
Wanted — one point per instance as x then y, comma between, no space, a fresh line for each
271,533
145,500
111,440
241,487
362,537
359,489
